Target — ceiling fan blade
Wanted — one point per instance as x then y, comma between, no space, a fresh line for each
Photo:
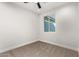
38,4
26,2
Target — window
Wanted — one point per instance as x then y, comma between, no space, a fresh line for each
49,24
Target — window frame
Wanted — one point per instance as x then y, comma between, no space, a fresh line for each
49,22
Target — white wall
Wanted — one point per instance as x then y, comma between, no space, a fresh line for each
78,24
67,32
18,26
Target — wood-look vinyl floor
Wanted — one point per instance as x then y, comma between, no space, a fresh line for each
40,49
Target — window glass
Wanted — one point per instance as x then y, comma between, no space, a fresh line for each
46,18
52,27
49,24
46,26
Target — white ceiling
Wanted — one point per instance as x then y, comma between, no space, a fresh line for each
45,6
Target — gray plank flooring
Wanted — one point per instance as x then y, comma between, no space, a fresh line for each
40,49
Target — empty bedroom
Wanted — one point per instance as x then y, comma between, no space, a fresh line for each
39,29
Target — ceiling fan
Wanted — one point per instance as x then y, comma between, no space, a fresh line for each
38,4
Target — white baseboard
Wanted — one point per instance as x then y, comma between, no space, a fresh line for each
17,46
59,45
